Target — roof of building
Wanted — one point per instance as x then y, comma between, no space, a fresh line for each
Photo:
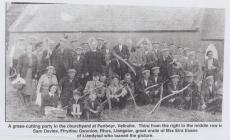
75,18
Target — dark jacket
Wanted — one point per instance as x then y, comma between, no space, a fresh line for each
165,67
206,94
159,79
44,63
93,62
124,53
213,72
143,98
62,60
192,98
78,64
23,65
47,100
67,89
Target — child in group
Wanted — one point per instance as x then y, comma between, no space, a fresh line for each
76,104
93,108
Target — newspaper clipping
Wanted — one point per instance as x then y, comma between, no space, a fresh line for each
113,71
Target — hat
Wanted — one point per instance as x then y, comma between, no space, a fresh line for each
164,50
208,52
85,43
145,71
209,77
155,68
50,67
63,39
76,92
174,76
71,70
145,42
101,39
189,74
155,42
77,48
186,49
191,53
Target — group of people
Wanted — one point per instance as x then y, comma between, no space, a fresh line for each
86,80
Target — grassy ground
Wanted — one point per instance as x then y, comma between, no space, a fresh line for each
16,111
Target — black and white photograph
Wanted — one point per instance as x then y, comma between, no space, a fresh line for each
113,63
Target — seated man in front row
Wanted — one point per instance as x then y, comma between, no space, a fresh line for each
171,88
93,107
143,95
211,96
116,93
128,83
95,87
191,96
156,79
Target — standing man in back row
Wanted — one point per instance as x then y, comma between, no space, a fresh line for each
93,60
123,51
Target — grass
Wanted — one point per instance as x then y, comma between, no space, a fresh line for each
16,111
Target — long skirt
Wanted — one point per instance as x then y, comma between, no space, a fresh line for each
29,88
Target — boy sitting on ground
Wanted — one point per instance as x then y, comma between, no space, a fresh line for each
93,108
76,104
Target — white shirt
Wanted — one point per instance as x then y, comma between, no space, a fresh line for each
146,82
120,47
210,89
78,58
155,78
51,94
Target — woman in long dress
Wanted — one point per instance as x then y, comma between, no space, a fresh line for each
47,79
27,69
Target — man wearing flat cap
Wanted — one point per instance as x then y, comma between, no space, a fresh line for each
173,86
164,64
143,95
101,43
78,61
191,96
68,84
209,91
156,79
